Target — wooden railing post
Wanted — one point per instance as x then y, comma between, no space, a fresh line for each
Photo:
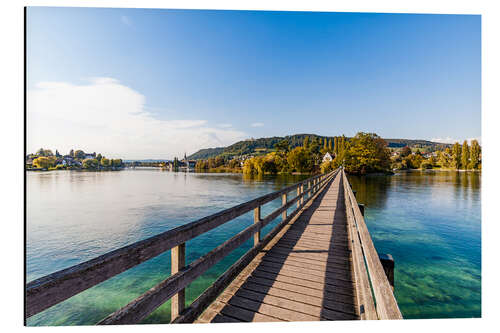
302,192
178,263
256,219
298,193
284,200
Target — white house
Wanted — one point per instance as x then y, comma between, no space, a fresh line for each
327,157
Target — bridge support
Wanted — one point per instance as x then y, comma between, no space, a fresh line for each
387,262
178,263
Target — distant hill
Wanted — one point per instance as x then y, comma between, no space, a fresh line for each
263,145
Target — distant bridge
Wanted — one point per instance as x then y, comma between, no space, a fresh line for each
317,263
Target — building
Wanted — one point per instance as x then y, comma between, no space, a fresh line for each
327,157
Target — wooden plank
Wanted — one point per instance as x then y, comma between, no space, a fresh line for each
317,311
308,299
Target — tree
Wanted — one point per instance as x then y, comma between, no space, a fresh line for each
282,146
57,154
90,163
79,154
71,153
456,156
44,162
306,142
366,153
299,159
105,162
465,155
475,155
405,151
116,162
330,145
99,157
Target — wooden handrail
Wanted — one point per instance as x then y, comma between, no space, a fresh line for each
54,288
373,289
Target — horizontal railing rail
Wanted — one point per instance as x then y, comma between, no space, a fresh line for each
374,292
54,288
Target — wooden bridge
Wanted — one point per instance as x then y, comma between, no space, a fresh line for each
317,263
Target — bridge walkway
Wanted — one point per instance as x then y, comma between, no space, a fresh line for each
303,274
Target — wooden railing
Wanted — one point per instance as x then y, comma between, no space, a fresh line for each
373,290
52,289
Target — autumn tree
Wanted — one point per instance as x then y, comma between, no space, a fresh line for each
300,160
475,155
44,162
366,153
465,155
456,157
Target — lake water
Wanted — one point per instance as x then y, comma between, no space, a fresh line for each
429,221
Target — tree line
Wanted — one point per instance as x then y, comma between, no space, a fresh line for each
458,157
75,159
364,153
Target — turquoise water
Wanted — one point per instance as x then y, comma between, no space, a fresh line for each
430,221
75,216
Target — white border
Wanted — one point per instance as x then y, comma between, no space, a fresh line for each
11,88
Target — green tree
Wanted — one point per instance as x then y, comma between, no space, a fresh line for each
305,144
79,154
330,146
456,157
405,151
475,155
99,157
90,163
465,155
282,146
366,153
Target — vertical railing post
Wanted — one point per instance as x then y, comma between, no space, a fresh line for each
302,192
284,200
178,263
298,193
256,219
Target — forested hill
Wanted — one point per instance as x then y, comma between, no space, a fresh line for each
263,145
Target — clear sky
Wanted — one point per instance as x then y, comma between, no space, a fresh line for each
155,83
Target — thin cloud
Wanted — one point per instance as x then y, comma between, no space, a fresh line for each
126,20
108,117
225,125
257,124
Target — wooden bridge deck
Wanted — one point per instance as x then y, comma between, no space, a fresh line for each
303,274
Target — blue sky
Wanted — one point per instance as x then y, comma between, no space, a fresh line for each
153,83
